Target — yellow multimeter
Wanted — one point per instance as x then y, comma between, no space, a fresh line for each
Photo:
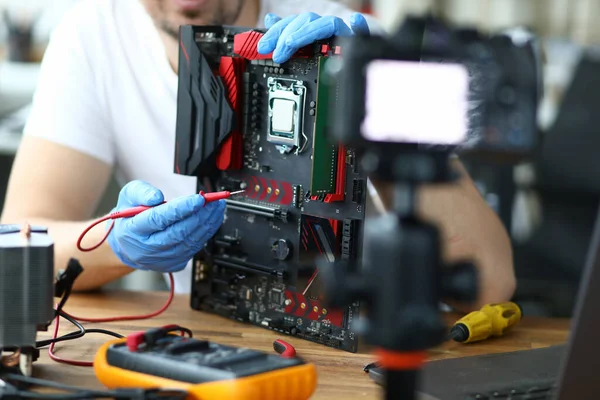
205,370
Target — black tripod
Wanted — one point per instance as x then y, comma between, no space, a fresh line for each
402,280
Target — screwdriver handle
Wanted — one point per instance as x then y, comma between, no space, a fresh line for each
491,320
503,316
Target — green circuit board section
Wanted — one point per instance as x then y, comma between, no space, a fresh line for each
324,161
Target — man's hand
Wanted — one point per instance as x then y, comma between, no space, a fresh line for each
165,237
471,231
286,36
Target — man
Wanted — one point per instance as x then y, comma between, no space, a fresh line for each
107,99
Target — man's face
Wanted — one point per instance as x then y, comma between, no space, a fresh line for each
168,15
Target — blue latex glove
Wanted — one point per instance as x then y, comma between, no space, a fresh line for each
286,36
163,238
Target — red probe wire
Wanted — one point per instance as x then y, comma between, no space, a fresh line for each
60,359
130,212
133,211
132,317
101,320
127,213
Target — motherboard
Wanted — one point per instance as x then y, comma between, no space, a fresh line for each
247,123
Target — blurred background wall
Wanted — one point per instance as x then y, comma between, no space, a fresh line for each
567,27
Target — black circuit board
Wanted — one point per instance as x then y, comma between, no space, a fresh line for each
260,266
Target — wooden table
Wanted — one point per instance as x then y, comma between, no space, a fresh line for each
340,373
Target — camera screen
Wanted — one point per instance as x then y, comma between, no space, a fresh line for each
416,102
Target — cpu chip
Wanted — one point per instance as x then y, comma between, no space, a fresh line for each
283,116
286,114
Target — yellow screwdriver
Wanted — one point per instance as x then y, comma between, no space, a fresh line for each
491,320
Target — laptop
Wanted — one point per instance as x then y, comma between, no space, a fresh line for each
564,372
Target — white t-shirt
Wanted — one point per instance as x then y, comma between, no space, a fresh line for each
107,90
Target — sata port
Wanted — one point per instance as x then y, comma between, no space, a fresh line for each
347,231
357,190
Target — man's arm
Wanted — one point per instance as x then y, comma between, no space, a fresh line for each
57,187
470,230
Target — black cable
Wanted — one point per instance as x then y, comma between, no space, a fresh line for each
68,336
71,320
75,335
105,332
120,394
182,329
79,393
44,383
23,394
65,281
63,301
92,330
63,288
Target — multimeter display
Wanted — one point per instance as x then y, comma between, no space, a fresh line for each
196,361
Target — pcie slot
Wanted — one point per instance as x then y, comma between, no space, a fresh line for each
226,244
241,204
252,211
246,267
220,281
269,212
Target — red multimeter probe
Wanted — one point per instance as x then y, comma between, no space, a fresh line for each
133,211
284,349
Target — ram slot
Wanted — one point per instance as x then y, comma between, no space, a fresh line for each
325,154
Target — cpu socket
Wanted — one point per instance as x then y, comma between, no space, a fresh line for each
286,112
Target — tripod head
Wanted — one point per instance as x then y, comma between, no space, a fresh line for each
406,103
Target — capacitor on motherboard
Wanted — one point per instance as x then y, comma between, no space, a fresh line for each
281,249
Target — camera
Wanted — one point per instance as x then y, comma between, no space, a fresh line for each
434,87
405,103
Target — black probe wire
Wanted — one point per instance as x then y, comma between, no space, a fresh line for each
58,311
69,336
76,334
105,332
82,330
63,301
72,335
